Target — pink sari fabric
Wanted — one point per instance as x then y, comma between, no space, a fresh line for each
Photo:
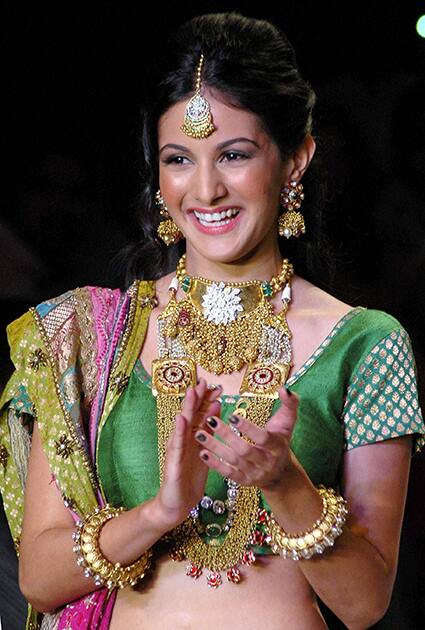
93,611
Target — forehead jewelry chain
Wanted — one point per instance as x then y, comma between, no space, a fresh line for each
198,121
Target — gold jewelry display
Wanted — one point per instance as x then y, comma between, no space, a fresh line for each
197,120
175,371
315,540
89,555
225,326
291,222
167,230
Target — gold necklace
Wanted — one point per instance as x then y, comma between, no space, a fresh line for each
222,325
172,374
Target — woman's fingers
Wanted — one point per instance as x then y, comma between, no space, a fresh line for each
272,438
199,402
235,450
283,421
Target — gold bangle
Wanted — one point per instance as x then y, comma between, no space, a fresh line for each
89,555
315,540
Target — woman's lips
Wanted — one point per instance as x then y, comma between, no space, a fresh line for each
214,227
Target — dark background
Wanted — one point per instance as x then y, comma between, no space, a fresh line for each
73,80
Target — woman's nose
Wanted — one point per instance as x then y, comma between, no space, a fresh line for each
208,184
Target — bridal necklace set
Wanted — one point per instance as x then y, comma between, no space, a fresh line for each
221,327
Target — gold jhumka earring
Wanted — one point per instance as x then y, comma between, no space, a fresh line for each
167,230
291,222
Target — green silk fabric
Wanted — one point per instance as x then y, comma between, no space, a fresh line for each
329,404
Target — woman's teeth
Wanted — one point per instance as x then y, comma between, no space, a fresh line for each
218,218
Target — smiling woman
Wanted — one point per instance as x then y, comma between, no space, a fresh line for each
249,185
228,442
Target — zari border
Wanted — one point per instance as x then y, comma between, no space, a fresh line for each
75,439
85,318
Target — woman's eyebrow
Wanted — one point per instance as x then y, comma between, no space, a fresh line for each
221,145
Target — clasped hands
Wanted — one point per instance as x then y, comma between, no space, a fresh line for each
200,441
259,462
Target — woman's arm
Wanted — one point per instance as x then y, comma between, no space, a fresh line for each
355,578
48,573
49,576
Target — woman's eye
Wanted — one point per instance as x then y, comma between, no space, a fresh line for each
228,158
173,160
238,155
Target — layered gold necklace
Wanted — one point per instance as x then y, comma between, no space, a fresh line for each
221,326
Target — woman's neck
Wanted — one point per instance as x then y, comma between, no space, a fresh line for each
258,266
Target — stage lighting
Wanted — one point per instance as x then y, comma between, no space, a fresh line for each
420,26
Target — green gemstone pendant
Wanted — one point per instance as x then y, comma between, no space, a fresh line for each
186,283
266,288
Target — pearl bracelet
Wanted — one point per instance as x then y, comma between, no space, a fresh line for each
89,555
315,540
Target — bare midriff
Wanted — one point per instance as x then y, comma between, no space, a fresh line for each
274,595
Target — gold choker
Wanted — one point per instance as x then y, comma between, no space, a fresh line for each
224,326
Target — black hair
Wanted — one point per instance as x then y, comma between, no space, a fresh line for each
252,63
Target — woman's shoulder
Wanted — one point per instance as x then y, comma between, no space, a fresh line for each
70,300
80,305
327,311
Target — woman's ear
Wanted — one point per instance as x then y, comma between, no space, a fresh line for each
302,157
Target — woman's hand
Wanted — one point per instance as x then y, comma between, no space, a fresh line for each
185,474
260,464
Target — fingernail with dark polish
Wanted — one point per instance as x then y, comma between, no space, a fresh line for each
204,456
201,437
234,419
288,391
214,388
212,422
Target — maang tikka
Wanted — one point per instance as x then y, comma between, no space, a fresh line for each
198,120
291,222
197,124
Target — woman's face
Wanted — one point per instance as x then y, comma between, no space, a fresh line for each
222,191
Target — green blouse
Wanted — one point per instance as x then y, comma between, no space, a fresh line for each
359,387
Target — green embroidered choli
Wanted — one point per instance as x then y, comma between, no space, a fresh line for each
359,387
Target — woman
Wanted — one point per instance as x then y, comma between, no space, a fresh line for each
230,414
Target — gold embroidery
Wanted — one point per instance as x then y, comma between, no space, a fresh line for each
119,382
68,502
147,300
85,317
64,446
388,405
133,292
86,461
37,359
54,320
4,455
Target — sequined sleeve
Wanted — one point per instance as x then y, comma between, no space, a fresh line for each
382,397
